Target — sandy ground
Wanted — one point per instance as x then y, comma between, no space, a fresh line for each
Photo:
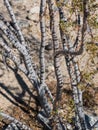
16,92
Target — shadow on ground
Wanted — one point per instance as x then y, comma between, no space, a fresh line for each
18,98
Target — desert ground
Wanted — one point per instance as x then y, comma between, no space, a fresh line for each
16,92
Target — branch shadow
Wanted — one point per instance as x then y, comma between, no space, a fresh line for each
17,98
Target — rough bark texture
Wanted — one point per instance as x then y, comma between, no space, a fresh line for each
12,38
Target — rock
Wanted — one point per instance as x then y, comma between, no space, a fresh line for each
50,68
35,10
34,13
23,23
69,127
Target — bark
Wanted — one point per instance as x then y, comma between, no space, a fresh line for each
56,46
21,125
74,74
12,16
21,47
43,41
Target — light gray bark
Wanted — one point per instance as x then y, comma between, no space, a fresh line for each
56,48
15,37
12,16
21,47
21,125
74,74
43,41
